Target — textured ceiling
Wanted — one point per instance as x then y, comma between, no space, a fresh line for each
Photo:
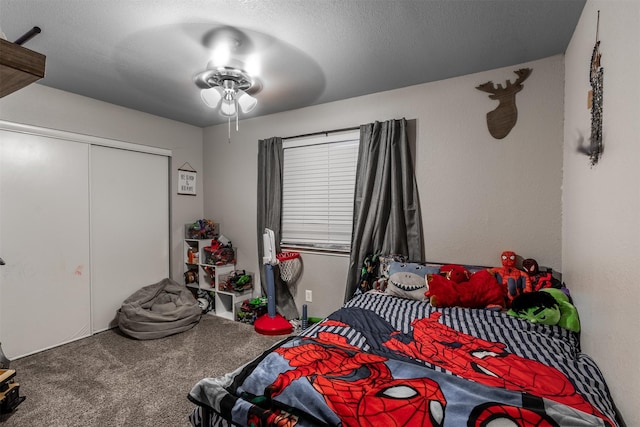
144,54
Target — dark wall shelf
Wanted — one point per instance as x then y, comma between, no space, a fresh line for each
19,67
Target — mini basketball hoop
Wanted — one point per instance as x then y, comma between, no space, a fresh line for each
290,266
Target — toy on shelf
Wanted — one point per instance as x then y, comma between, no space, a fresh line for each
219,253
455,286
549,306
237,281
191,276
192,256
202,229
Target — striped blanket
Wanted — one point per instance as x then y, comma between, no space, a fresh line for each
383,360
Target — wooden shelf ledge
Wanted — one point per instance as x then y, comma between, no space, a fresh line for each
19,67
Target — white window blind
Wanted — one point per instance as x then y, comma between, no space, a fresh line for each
317,191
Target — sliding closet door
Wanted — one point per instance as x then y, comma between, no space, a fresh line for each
44,241
129,227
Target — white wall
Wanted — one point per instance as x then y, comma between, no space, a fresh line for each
479,196
42,106
601,205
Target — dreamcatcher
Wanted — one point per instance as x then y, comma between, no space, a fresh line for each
595,100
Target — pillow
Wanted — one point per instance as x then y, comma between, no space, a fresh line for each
384,261
408,280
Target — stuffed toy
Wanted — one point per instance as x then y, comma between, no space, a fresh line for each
407,280
457,273
549,306
191,276
456,287
513,281
369,273
537,279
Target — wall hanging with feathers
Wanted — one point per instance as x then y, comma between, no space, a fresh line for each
594,102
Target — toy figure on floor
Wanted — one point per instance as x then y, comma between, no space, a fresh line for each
456,287
548,306
514,281
538,279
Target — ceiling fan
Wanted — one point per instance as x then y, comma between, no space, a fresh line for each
224,86
242,72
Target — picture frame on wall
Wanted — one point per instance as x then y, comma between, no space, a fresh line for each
187,182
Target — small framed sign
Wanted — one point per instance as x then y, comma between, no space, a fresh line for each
187,182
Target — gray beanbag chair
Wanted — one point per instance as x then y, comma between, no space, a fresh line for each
158,310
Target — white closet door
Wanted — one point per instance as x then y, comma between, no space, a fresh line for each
129,227
44,240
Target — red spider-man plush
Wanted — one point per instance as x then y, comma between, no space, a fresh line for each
514,281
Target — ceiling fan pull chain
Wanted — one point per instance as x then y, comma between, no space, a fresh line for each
237,114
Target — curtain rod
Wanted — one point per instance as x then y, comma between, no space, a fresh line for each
324,132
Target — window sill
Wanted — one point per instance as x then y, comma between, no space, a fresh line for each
317,251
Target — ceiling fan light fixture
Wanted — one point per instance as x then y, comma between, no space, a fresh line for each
226,88
246,102
211,97
228,108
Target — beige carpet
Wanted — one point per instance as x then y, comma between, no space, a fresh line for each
111,380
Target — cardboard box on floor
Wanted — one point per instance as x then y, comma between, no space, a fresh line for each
9,391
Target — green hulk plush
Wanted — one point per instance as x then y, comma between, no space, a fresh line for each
548,306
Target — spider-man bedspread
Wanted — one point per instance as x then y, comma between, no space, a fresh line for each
387,361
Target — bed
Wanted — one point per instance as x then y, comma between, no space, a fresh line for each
383,360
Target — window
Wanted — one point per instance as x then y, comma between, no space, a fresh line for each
318,184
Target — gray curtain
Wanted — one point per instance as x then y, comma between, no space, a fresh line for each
386,209
270,159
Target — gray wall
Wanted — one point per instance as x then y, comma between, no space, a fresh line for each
601,205
42,106
479,195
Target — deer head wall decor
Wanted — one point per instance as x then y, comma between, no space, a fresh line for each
501,120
